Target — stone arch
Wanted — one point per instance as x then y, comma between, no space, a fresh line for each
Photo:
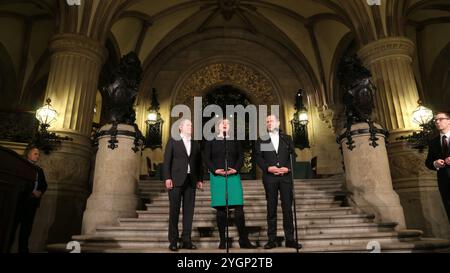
256,85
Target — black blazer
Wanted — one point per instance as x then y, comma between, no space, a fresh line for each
214,154
41,184
176,162
265,159
435,153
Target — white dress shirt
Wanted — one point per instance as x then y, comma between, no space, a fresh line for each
275,139
187,145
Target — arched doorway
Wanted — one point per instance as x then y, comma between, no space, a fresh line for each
229,95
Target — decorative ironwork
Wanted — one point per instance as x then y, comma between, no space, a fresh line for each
113,132
358,97
419,140
47,141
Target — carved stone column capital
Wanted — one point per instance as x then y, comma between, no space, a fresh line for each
393,47
74,44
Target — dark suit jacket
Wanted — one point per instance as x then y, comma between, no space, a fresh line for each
435,153
265,159
214,155
41,186
176,162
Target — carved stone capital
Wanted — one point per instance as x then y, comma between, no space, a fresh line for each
74,44
388,48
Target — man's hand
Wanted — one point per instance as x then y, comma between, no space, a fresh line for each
36,194
440,163
169,184
447,161
283,170
199,185
273,169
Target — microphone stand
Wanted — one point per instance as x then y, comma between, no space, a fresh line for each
226,188
289,148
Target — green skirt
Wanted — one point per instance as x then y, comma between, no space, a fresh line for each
235,193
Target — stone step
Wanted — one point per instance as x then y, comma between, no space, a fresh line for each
424,245
251,191
160,229
248,196
301,204
249,185
254,200
302,219
250,210
319,240
255,181
256,188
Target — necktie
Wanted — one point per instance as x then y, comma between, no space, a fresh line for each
444,146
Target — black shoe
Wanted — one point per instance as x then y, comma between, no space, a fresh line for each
246,244
222,245
173,247
293,244
270,245
188,245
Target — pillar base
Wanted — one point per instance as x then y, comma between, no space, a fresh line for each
418,190
368,177
115,180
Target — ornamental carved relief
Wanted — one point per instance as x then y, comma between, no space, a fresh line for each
408,164
255,85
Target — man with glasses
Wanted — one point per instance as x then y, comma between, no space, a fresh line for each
439,157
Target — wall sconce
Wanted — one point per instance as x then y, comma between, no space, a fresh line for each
422,114
300,123
423,117
46,115
43,139
154,124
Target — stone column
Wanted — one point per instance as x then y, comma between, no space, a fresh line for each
115,180
75,65
390,61
368,177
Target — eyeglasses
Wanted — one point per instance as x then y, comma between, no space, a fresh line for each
439,119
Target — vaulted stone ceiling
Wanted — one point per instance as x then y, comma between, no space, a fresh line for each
315,29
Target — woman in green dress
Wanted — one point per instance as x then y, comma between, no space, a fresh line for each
214,156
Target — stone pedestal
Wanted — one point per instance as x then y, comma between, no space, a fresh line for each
116,179
418,191
368,177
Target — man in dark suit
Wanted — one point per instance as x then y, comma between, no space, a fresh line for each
273,157
438,158
29,203
183,172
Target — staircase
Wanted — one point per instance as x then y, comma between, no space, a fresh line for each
325,224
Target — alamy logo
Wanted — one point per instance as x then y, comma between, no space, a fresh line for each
73,2
374,2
